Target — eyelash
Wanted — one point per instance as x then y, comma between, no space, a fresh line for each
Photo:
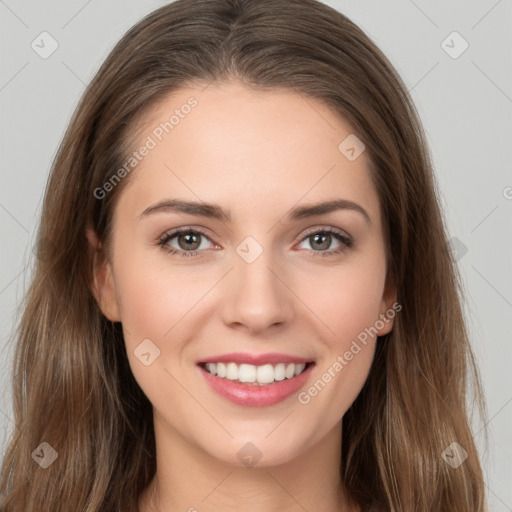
346,242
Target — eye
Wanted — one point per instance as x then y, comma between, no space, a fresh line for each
321,240
188,242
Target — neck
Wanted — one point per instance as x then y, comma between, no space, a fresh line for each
189,479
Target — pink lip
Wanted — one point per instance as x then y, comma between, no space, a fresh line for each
255,359
253,395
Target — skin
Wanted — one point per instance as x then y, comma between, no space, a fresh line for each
257,154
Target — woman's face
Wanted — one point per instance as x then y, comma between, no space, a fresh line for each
268,283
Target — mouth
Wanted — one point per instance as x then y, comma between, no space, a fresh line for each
255,381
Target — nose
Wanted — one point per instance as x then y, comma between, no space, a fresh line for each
257,295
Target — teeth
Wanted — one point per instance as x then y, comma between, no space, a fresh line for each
299,369
258,375
221,369
231,371
280,371
247,373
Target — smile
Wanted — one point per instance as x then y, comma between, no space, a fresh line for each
255,380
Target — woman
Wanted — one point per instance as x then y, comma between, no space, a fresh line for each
244,295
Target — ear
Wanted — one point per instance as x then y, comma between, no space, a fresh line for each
389,307
103,286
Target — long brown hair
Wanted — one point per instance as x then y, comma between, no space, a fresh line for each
73,387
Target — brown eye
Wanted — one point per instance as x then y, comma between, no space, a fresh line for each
189,241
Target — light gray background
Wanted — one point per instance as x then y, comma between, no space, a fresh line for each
465,104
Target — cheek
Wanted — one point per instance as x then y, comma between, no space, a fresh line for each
349,308
153,303
347,354
148,305
345,300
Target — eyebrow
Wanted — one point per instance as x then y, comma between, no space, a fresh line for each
217,212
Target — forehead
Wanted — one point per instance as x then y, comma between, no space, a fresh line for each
249,149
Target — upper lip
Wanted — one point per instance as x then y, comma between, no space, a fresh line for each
255,359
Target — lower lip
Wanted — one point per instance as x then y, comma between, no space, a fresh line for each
254,395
